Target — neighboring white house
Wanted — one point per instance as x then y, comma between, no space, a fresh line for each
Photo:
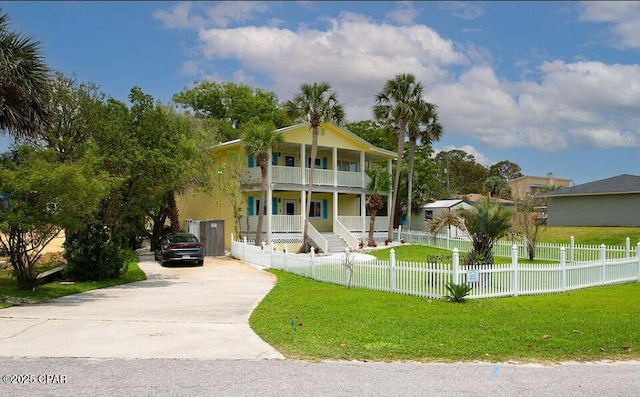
421,220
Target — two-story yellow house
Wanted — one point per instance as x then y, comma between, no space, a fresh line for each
338,215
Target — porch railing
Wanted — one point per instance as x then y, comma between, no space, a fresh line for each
354,223
286,223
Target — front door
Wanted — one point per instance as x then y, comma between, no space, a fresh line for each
289,207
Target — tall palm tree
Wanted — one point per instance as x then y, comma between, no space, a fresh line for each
23,84
379,182
258,141
314,103
427,128
397,104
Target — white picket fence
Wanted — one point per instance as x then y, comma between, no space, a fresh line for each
544,251
430,279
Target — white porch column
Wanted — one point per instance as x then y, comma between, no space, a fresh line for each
390,196
335,205
269,196
335,166
362,172
303,162
303,208
363,212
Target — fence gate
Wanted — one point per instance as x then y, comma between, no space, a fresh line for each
211,235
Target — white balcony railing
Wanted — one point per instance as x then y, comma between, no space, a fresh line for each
294,175
320,177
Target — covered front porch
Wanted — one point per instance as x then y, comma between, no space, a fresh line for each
342,214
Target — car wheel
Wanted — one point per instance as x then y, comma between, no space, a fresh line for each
201,262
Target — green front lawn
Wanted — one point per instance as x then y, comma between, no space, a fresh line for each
421,253
10,295
305,319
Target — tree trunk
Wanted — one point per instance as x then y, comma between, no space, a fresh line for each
412,148
174,216
19,258
396,183
312,167
263,191
156,231
372,225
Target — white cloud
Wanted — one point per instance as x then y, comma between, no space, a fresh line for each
177,18
463,9
605,138
480,157
583,103
224,13
355,55
622,16
227,12
562,104
405,14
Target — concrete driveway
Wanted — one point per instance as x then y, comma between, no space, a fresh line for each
178,312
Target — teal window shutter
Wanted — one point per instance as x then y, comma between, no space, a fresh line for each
324,163
325,208
274,206
274,158
250,205
250,161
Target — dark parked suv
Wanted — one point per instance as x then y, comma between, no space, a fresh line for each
179,247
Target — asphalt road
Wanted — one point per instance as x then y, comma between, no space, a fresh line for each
175,377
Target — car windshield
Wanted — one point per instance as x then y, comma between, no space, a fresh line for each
182,238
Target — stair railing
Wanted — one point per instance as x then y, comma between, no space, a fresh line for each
345,234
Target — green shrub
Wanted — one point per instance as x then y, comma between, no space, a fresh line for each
457,292
92,255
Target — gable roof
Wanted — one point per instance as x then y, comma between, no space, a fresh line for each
620,184
442,204
368,146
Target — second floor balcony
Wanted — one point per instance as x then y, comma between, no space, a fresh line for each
301,176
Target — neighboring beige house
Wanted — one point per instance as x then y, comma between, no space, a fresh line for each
338,215
526,187
613,201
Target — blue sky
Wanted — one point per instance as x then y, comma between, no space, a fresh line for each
551,86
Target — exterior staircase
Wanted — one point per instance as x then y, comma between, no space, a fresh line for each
336,244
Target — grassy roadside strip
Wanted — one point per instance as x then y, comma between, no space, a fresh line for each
10,295
305,319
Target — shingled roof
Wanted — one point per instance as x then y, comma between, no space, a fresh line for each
620,184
